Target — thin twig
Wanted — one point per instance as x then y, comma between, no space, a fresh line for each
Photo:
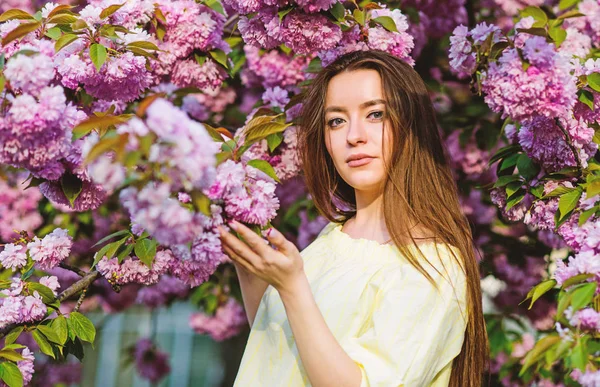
569,143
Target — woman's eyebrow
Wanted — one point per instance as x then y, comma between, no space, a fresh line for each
362,106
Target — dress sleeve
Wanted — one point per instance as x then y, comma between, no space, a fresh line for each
414,331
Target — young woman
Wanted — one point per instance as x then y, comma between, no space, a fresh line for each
388,294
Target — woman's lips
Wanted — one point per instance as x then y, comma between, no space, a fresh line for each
360,162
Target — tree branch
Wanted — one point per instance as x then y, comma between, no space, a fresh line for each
75,270
569,143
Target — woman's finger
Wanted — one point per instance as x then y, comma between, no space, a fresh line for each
256,243
237,259
278,240
238,247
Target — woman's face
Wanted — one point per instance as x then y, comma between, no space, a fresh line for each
354,115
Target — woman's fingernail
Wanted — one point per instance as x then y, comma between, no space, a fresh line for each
233,224
269,232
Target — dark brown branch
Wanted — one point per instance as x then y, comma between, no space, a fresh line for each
75,270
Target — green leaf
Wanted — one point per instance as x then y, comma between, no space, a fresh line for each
537,13
558,191
515,199
539,290
579,356
538,351
144,44
572,13
585,215
62,18
564,4
260,131
10,374
387,22
59,325
527,168
338,11
145,250
284,12
98,55
13,335
264,166
594,81
201,202
11,355
213,133
504,180
44,344
54,33
44,291
273,140
109,250
576,279
125,253
220,57
49,333
359,16
583,295
83,327
216,5
568,202
71,187
15,14
504,152
106,12
114,234
314,66
558,34
586,97
95,122
20,31
537,191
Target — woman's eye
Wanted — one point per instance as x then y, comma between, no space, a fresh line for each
331,122
379,113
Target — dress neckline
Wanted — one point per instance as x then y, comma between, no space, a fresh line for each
337,229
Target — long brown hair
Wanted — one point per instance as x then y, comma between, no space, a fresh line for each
419,188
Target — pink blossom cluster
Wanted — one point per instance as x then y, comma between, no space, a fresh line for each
132,14
464,45
167,289
184,149
302,32
589,378
439,17
151,363
35,130
285,158
273,68
583,262
546,88
202,105
25,5
589,23
515,213
544,141
17,308
470,158
134,270
228,321
18,207
247,194
154,210
191,28
585,319
399,44
47,252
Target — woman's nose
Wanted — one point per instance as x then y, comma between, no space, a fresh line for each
356,133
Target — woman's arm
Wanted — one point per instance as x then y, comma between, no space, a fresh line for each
324,360
253,288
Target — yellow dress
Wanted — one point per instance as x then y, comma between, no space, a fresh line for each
385,314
